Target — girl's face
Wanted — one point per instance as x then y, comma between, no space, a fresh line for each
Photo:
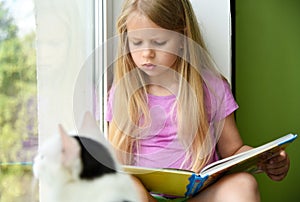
153,49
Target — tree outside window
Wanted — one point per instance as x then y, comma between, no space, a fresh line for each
18,108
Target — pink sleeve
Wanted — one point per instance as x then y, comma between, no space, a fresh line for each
230,103
219,100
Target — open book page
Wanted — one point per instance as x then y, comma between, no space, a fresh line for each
247,161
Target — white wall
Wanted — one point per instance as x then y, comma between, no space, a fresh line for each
215,24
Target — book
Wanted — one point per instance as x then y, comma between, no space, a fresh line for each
183,183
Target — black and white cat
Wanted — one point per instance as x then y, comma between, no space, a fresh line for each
81,169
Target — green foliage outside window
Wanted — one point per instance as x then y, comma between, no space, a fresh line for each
18,109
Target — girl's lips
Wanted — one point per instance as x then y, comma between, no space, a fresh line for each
149,66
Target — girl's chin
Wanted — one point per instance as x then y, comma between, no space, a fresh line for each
155,71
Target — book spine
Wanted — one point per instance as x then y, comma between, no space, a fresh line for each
289,140
195,184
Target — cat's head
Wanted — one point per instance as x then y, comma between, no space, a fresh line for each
64,158
58,159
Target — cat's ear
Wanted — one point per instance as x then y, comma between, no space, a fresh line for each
70,148
89,128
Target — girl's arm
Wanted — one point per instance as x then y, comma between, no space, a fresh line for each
231,143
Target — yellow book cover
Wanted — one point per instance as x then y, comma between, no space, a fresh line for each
182,183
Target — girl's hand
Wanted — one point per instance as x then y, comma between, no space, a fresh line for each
277,167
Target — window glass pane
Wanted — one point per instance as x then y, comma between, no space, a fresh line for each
18,99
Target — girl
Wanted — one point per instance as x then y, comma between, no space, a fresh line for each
169,107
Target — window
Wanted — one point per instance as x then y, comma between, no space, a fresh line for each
18,98
59,52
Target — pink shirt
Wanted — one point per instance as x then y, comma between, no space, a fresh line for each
160,147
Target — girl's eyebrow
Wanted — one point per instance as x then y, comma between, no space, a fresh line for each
134,37
155,38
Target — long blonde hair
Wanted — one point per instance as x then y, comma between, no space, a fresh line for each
130,93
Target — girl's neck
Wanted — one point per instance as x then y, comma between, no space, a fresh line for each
163,84
162,90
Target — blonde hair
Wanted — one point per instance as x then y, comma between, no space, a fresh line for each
130,94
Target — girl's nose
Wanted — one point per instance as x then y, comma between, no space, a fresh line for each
148,53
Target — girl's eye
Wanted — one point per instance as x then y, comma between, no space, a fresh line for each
160,43
136,43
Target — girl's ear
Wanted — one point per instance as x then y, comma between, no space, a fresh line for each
70,149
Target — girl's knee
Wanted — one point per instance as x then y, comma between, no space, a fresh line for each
242,186
245,181
238,187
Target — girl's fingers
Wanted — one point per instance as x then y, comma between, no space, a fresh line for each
277,177
277,161
278,171
276,164
277,167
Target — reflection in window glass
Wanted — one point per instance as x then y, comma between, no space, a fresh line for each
18,103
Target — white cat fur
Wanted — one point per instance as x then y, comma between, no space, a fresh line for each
58,172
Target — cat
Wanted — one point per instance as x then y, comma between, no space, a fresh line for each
81,168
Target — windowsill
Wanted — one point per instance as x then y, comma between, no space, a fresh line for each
18,184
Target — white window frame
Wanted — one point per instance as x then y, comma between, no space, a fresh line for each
104,31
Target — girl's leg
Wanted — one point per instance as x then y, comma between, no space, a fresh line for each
238,187
145,196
